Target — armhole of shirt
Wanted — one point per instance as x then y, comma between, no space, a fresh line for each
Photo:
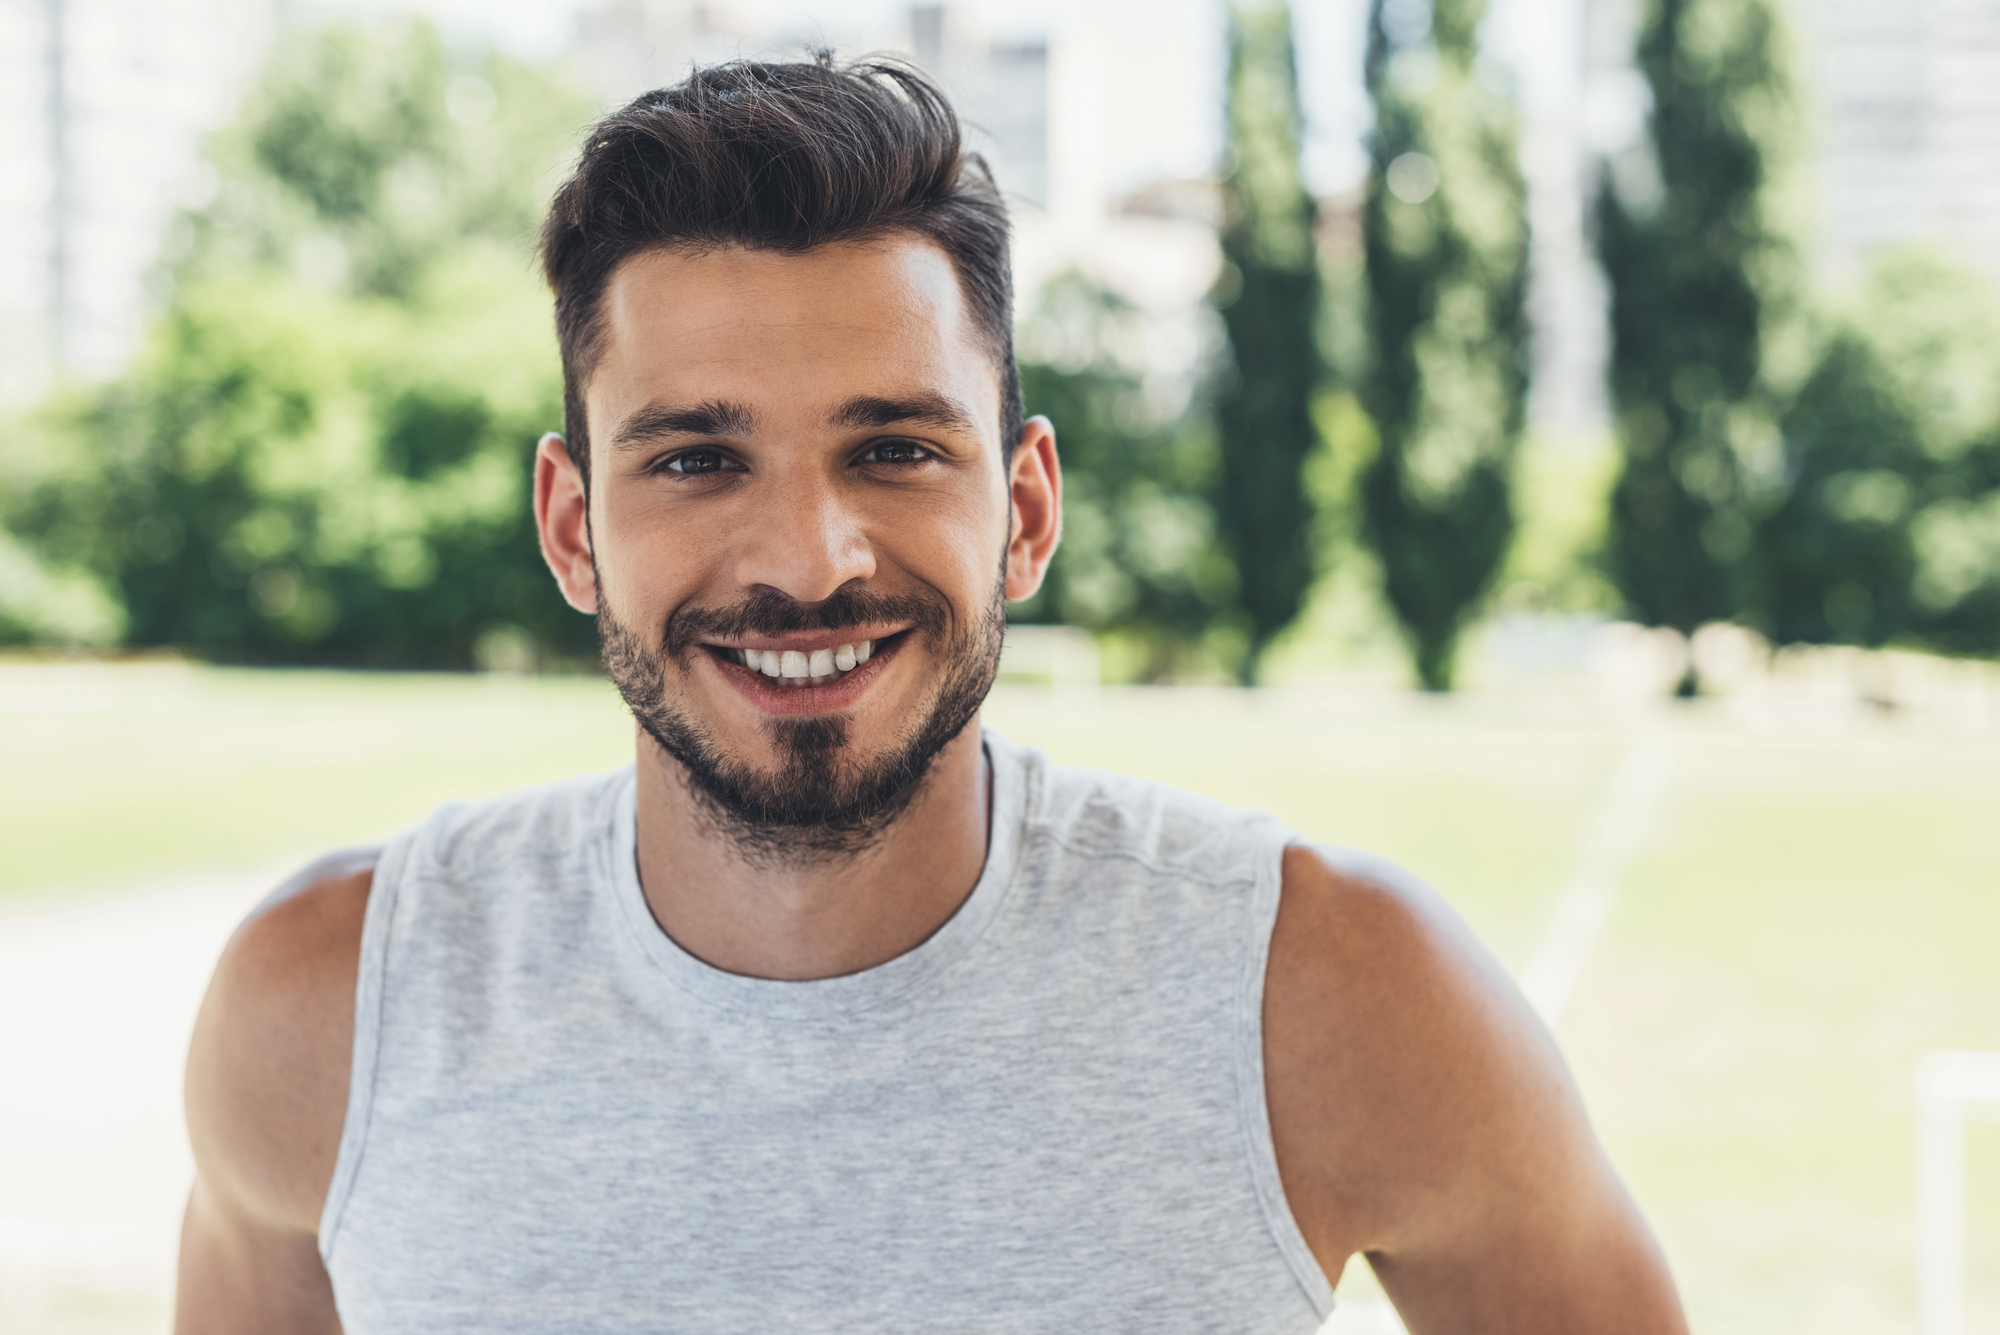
1255,1107
369,980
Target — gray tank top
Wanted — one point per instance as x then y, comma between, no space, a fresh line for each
1048,1117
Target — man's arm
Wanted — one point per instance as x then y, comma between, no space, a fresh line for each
1423,1116
266,1099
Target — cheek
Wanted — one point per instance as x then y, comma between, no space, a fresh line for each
953,543
649,560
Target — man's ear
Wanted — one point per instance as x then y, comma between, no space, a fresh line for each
1034,484
562,515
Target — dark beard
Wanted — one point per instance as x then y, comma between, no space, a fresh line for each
822,803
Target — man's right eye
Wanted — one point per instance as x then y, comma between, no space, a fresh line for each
696,461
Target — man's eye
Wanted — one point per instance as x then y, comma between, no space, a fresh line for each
696,461
896,452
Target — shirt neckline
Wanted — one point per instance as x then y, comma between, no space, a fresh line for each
848,994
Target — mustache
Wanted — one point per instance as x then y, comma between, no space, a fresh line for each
778,614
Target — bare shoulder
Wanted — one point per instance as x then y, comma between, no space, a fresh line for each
1422,1115
268,1066
1393,1046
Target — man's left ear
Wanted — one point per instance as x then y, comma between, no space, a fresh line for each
1034,484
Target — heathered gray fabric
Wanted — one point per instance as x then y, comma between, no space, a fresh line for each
1049,1117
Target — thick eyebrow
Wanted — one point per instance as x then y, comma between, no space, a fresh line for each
652,425
932,410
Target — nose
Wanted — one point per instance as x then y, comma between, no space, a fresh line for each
802,538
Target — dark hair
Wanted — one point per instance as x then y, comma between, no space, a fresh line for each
776,156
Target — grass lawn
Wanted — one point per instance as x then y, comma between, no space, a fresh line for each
1815,906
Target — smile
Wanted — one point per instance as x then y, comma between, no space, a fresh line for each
794,667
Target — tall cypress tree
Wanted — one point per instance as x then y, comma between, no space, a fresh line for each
1264,411
1446,241
1688,250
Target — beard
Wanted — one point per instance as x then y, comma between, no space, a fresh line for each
823,801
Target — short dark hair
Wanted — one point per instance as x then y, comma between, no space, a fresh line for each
783,156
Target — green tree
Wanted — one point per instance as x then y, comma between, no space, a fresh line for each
1139,558
1269,305
1446,239
1934,323
1694,262
322,455
1835,563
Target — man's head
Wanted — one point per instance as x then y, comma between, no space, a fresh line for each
784,158
795,490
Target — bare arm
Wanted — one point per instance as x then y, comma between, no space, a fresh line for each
266,1099
1423,1116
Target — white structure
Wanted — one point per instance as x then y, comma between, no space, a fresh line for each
1909,123
1948,1083
102,107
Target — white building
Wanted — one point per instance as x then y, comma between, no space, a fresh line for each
103,104
1908,102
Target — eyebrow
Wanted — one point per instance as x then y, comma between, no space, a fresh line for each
933,410
650,426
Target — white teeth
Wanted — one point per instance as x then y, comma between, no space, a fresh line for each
794,667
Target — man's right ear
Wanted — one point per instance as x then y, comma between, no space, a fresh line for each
562,515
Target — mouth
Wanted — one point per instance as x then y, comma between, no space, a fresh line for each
799,669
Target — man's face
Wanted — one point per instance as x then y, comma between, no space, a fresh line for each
799,526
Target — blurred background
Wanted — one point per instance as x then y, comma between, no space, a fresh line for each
1578,419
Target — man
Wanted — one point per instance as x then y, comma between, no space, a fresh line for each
834,1013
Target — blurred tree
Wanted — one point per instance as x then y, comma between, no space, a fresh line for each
1934,323
323,453
1139,559
1269,301
1446,237
1694,263
1834,562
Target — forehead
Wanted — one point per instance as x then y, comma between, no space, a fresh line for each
780,330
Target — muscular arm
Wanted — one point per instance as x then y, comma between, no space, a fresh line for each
266,1098
1422,1116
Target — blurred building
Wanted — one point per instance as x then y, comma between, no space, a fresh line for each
1908,100
102,107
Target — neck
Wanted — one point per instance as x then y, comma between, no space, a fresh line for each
820,918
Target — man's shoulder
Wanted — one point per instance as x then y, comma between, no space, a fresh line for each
269,1062
556,816
1398,1052
1107,813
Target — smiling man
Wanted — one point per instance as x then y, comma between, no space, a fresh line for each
834,1012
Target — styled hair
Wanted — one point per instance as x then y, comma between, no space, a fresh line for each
783,157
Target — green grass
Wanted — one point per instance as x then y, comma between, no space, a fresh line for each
1813,910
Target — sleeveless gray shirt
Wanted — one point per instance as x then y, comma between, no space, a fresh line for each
1048,1117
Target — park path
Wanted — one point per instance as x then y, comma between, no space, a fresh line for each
98,995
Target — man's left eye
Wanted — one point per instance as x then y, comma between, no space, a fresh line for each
896,452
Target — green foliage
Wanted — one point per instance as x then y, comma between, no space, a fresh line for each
1138,556
1446,238
1270,310
323,453
1833,560
1695,268
1884,523
1935,326
371,153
